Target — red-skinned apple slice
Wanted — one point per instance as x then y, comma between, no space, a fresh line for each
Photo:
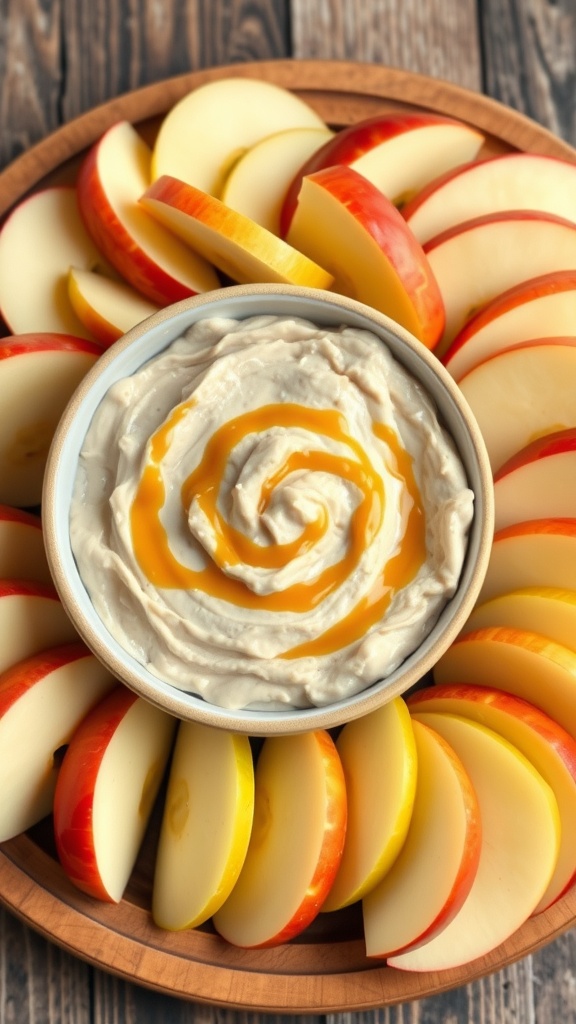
378,755
108,309
538,482
22,554
478,260
206,825
106,790
38,373
543,742
113,176
520,842
31,619
238,246
541,307
228,116
436,867
296,843
43,236
347,225
550,611
536,553
399,152
497,390
518,661
42,701
508,181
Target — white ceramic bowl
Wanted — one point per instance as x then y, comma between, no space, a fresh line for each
146,341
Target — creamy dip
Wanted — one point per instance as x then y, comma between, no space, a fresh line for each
268,513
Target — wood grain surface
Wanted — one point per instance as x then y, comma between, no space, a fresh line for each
59,58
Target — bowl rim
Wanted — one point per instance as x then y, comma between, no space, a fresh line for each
145,341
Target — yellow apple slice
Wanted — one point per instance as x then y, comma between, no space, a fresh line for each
436,867
378,754
31,619
106,790
209,129
113,176
348,226
550,611
22,554
497,390
238,246
42,701
257,184
518,661
205,826
108,309
538,482
296,843
543,742
520,843
539,552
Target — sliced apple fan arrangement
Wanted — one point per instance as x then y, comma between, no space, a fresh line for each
449,814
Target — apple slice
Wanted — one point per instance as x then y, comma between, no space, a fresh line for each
518,661
520,842
205,827
31,619
244,250
476,261
497,390
538,482
22,554
543,742
257,184
113,176
541,307
550,611
436,867
296,843
106,790
539,552
399,152
508,181
209,129
42,701
108,309
378,755
348,226
38,374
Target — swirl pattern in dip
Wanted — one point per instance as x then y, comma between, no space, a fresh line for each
268,513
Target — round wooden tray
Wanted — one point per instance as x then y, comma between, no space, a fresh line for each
326,969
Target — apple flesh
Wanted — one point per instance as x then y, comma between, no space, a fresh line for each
42,237
538,482
31,619
347,225
436,867
536,553
544,370
520,843
38,374
108,309
106,790
203,135
42,701
550,611
205,827
541,307
378,755
508,181
22,554
296,843
113,176
238,246
478,260
399,152
543,742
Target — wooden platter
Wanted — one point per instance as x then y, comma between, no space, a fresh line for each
326,969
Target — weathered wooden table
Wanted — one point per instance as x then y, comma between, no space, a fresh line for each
59,58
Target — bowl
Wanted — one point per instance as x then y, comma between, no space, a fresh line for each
142,344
